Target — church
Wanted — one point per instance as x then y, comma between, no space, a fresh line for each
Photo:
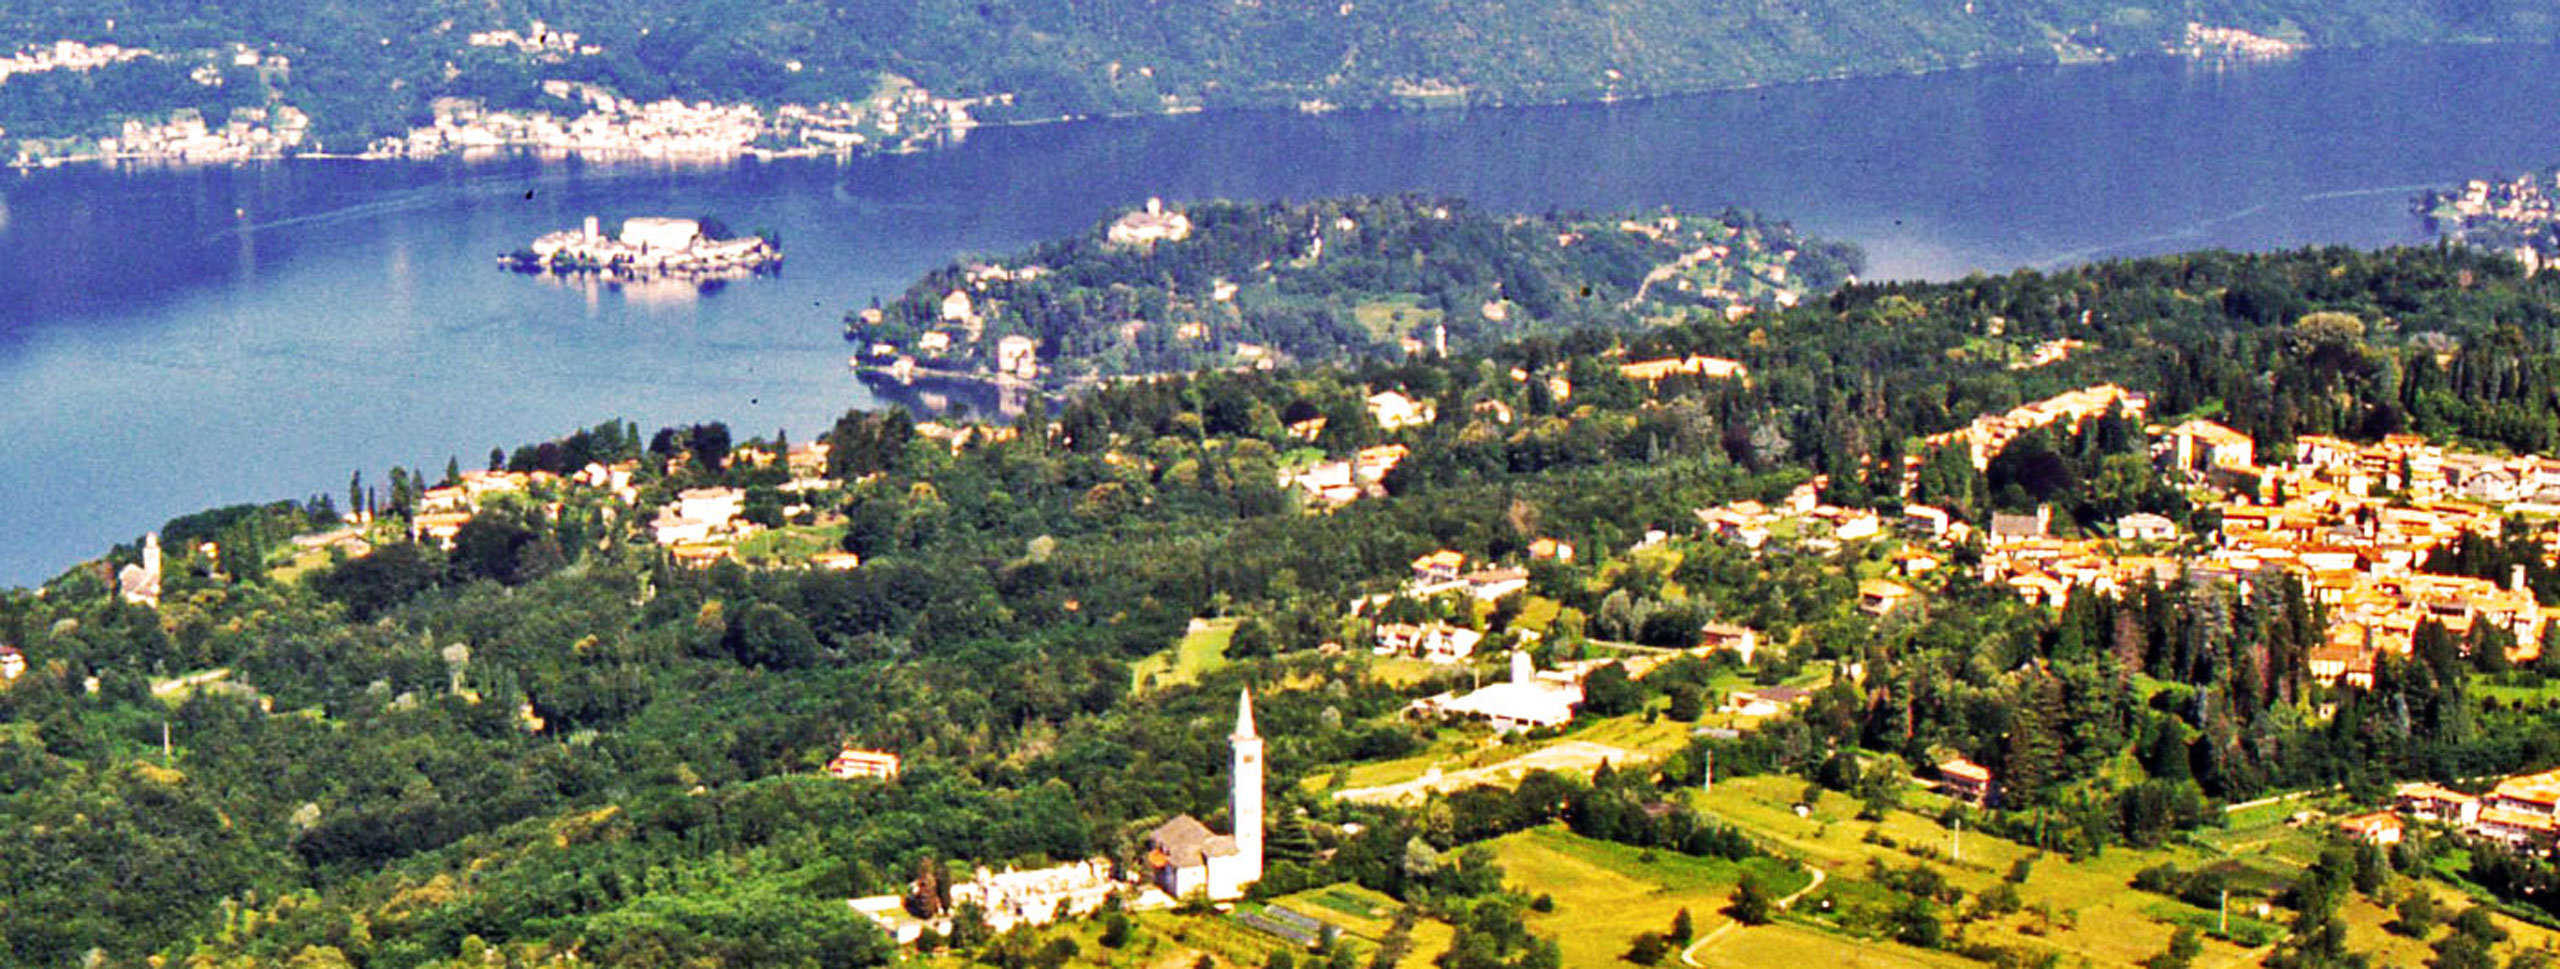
1186,858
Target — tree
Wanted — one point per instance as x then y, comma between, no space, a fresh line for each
766,635
1608,692
2417,915
1648,949
2183,949
1681,926
1915,923
1252,638
1687,703
1115,929
1751,902
924,898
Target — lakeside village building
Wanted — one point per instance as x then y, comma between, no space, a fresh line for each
647,246
1183,858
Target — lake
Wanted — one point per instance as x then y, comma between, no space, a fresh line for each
176,338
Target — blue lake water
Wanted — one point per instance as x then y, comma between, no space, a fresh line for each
176,338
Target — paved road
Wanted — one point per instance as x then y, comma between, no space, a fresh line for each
1689,956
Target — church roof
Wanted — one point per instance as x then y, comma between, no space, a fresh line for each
1187,843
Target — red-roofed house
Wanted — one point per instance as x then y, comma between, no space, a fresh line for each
1965,781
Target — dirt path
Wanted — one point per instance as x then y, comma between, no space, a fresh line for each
1689,956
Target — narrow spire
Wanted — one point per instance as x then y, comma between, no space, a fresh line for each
1244,715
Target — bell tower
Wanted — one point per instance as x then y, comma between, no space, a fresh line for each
1247,793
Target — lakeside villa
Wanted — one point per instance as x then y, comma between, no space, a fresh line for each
647,247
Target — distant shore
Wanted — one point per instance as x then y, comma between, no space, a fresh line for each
943,135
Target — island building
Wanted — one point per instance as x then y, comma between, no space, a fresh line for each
647,246
1186,858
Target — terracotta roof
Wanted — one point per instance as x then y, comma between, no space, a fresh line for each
1187,843
1962,769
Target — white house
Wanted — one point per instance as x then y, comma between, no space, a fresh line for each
1395,411
2143,526
713,505
1150,225
1018,356
1523,702
670,528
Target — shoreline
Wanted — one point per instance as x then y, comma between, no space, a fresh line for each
945,135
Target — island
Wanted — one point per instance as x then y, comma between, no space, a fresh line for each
649,247
1171,288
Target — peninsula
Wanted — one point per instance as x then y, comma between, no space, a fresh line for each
2517,215
1174,288
648,247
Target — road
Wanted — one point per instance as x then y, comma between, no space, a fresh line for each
1572,755
1689,956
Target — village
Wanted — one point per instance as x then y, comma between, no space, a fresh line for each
593,121
596,122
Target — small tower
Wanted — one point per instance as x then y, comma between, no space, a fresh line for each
1247,794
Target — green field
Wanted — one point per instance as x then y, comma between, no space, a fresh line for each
790,544
1800,947
1365,916
2097,916
1388,320
1199,652
1606,893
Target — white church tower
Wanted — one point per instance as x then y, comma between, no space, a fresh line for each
1247,794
